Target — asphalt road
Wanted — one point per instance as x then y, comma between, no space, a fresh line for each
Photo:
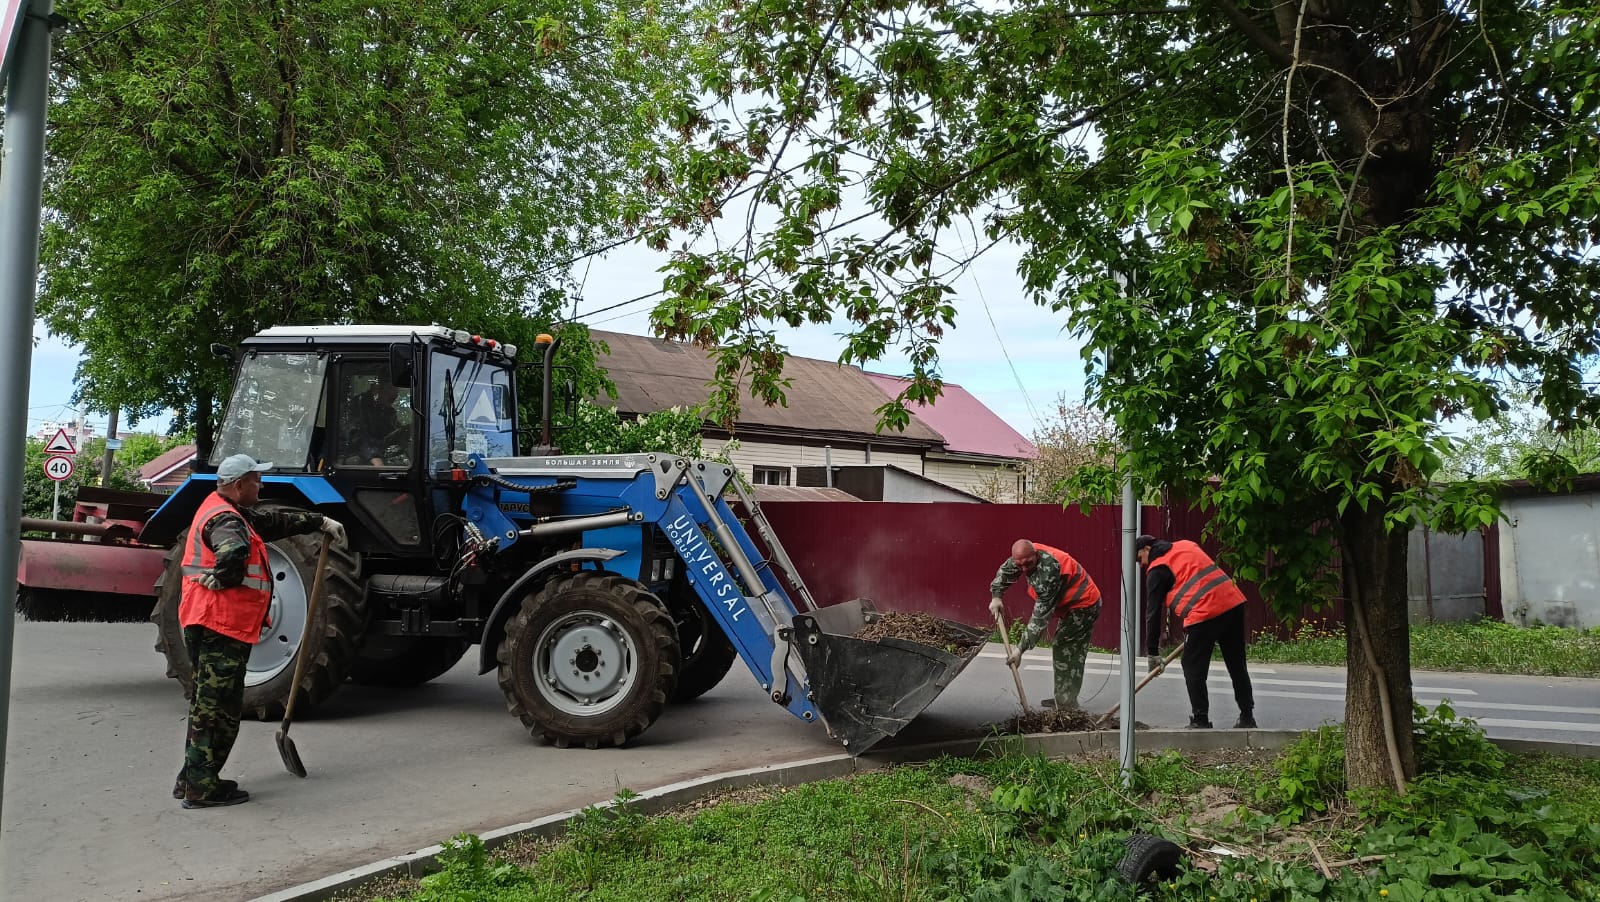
96,735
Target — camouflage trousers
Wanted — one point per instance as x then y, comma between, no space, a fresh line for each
219,670
1070,652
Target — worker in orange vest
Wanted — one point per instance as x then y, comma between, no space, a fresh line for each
1059,586
1182,577
227,592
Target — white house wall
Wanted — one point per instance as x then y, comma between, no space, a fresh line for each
899,486
773,454
967,476
1550,560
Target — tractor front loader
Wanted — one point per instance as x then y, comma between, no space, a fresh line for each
599,589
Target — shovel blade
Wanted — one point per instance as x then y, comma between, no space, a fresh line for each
867,691
290,756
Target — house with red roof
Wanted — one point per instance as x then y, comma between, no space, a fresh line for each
949,451
977,443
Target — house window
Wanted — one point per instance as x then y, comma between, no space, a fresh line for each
769,475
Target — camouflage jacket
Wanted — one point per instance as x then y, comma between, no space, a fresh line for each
1047,585
228,535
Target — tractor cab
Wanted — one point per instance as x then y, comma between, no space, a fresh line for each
375,412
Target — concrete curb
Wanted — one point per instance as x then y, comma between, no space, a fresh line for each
654,801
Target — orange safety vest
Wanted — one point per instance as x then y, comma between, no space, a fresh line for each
1077,589
237,611
1200,590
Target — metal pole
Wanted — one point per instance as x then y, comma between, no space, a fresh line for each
55,505
21,185
827,465
105,459
1130,628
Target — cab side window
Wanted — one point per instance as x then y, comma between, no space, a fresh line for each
374,418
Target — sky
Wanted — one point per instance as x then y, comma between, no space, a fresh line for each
1012,355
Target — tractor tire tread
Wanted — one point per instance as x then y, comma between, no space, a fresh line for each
651,701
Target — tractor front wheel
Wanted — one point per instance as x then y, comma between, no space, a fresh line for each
590,659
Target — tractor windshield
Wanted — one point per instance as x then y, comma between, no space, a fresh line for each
274,410
471,408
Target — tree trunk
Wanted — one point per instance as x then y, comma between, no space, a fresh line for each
205,435
1376,613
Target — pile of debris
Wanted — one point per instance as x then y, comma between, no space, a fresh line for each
924,629
1058,720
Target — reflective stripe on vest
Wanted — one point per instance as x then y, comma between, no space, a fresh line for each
1202,590
200,558
1077,589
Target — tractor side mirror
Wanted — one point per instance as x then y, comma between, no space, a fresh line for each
401,365
222,351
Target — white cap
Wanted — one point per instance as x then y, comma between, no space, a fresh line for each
238,465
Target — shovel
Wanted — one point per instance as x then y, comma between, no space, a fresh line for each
1171,656
286,749
1005,639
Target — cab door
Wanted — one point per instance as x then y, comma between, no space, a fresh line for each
371,453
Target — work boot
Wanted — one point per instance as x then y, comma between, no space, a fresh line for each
1246,721
1198,723
181,788
221,800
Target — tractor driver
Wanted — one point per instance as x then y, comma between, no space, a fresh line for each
374,422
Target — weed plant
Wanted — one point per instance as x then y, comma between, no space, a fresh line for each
1486,646
1475,824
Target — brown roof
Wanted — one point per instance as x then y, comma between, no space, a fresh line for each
169,460
825,399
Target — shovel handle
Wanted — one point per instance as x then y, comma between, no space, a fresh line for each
1016,675
1171,656
300,655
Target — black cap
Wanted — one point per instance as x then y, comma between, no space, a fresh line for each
1143,542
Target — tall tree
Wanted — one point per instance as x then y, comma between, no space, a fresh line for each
1305,231
223,166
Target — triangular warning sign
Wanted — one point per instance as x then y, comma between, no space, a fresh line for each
61,444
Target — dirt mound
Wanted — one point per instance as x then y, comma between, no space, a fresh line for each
924,629
1058,720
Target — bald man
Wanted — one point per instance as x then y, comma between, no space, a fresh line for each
1059,586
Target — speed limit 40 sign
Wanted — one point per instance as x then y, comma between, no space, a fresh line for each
58,468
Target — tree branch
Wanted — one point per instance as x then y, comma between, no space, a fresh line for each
1258,36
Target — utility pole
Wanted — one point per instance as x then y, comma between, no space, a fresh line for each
111,446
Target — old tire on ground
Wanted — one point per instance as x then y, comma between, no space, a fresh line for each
405,660
590,659
333,636
707,653
1149,857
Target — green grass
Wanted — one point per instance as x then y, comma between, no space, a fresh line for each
1023,827
1486,646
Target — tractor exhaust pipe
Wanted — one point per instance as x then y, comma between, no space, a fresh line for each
547,375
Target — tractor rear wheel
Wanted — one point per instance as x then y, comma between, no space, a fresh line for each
707,653
293,564
405,660
590,659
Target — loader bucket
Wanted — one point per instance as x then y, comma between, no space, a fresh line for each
869,690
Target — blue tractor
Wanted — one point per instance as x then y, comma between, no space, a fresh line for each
599,589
